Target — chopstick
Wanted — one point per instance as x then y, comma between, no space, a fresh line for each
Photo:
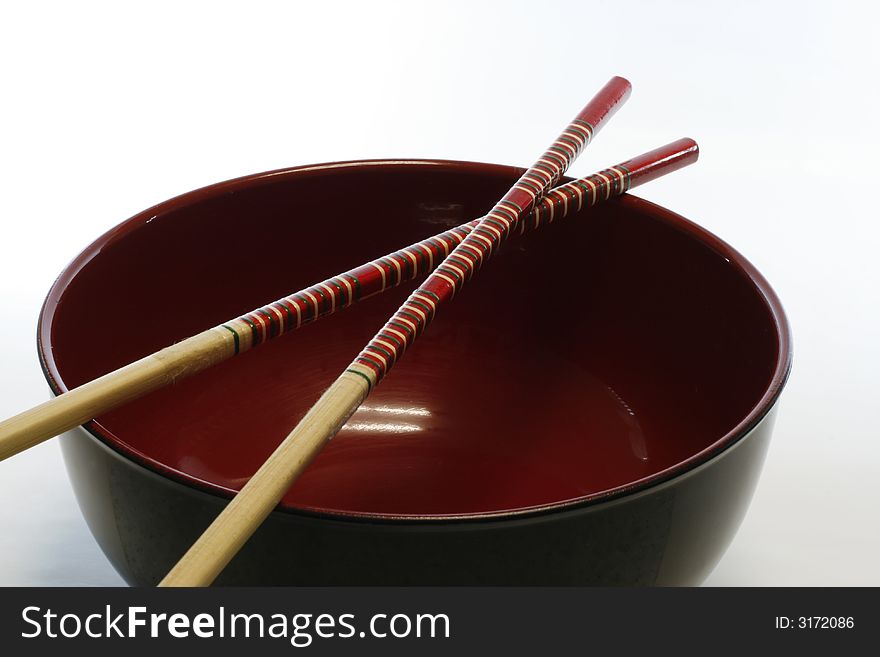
230,530
238,335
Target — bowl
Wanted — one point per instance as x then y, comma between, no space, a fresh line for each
594,409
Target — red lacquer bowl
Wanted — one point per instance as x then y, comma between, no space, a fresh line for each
593,408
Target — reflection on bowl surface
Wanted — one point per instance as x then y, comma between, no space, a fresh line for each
604,354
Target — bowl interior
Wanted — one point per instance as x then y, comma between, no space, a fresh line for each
593,354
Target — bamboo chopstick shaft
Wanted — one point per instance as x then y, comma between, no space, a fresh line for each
114,389
247,510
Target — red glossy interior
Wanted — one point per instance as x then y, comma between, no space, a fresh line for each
587,356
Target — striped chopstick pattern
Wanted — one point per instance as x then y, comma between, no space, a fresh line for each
576,195
291,312
413,317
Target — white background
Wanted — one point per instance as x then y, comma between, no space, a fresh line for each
107,109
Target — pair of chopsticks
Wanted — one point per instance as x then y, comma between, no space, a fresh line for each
451,258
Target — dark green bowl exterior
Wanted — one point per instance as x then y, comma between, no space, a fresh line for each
671,534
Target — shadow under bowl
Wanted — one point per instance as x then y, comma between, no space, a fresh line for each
594,408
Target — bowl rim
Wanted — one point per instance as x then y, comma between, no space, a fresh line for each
96,431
